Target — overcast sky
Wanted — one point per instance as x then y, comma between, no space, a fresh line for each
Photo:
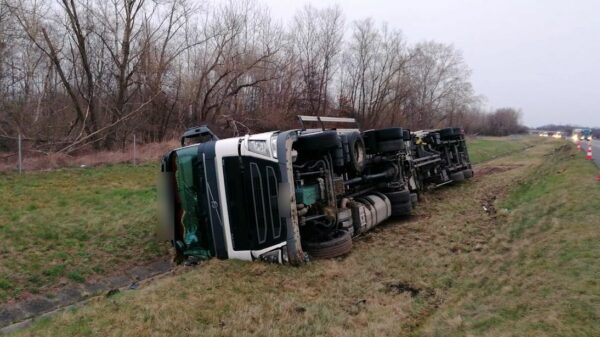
540,56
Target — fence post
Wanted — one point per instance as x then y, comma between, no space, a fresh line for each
134,151
20,154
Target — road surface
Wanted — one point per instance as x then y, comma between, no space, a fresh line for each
595,150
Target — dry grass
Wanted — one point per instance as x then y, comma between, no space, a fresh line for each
481,149
145,153
458,268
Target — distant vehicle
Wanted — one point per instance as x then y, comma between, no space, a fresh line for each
277,195
557,135
544,134
582,134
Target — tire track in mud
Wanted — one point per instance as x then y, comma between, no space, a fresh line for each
21,314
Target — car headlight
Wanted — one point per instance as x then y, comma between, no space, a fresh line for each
258,146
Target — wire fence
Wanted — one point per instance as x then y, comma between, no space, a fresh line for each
25,157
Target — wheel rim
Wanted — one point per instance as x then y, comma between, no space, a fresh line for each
359,155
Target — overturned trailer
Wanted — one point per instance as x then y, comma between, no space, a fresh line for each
287,196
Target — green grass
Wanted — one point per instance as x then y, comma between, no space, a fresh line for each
71,224
542,276
531,269
482,149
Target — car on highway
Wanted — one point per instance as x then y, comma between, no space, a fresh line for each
582,134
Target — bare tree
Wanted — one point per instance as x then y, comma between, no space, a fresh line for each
242,45
159,69
81,73
317,39
438,75
374,65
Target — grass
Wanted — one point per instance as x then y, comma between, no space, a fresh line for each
554,271
482,149
547,282
69,225
528,266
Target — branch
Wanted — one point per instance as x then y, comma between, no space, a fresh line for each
69,149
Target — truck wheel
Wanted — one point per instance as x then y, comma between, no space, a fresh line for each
401,209
390,146
414,198
357,150
370,142
398,197
339,244
388,134
447,132
457,176
389,137
468,173
318,141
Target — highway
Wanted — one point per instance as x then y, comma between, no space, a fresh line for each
595,150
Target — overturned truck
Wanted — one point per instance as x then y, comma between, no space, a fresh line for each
288,196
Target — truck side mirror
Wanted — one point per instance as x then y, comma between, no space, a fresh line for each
202,132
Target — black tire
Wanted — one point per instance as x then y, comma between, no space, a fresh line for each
414,198
406,135
398,197
468,173
390,146
457,176
318,141
356,147
340,244
373,139
388,134
401,209
447,132
370,142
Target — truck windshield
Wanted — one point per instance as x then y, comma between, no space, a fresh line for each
193,230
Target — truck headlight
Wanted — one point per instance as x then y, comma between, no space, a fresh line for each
274,145
258,146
